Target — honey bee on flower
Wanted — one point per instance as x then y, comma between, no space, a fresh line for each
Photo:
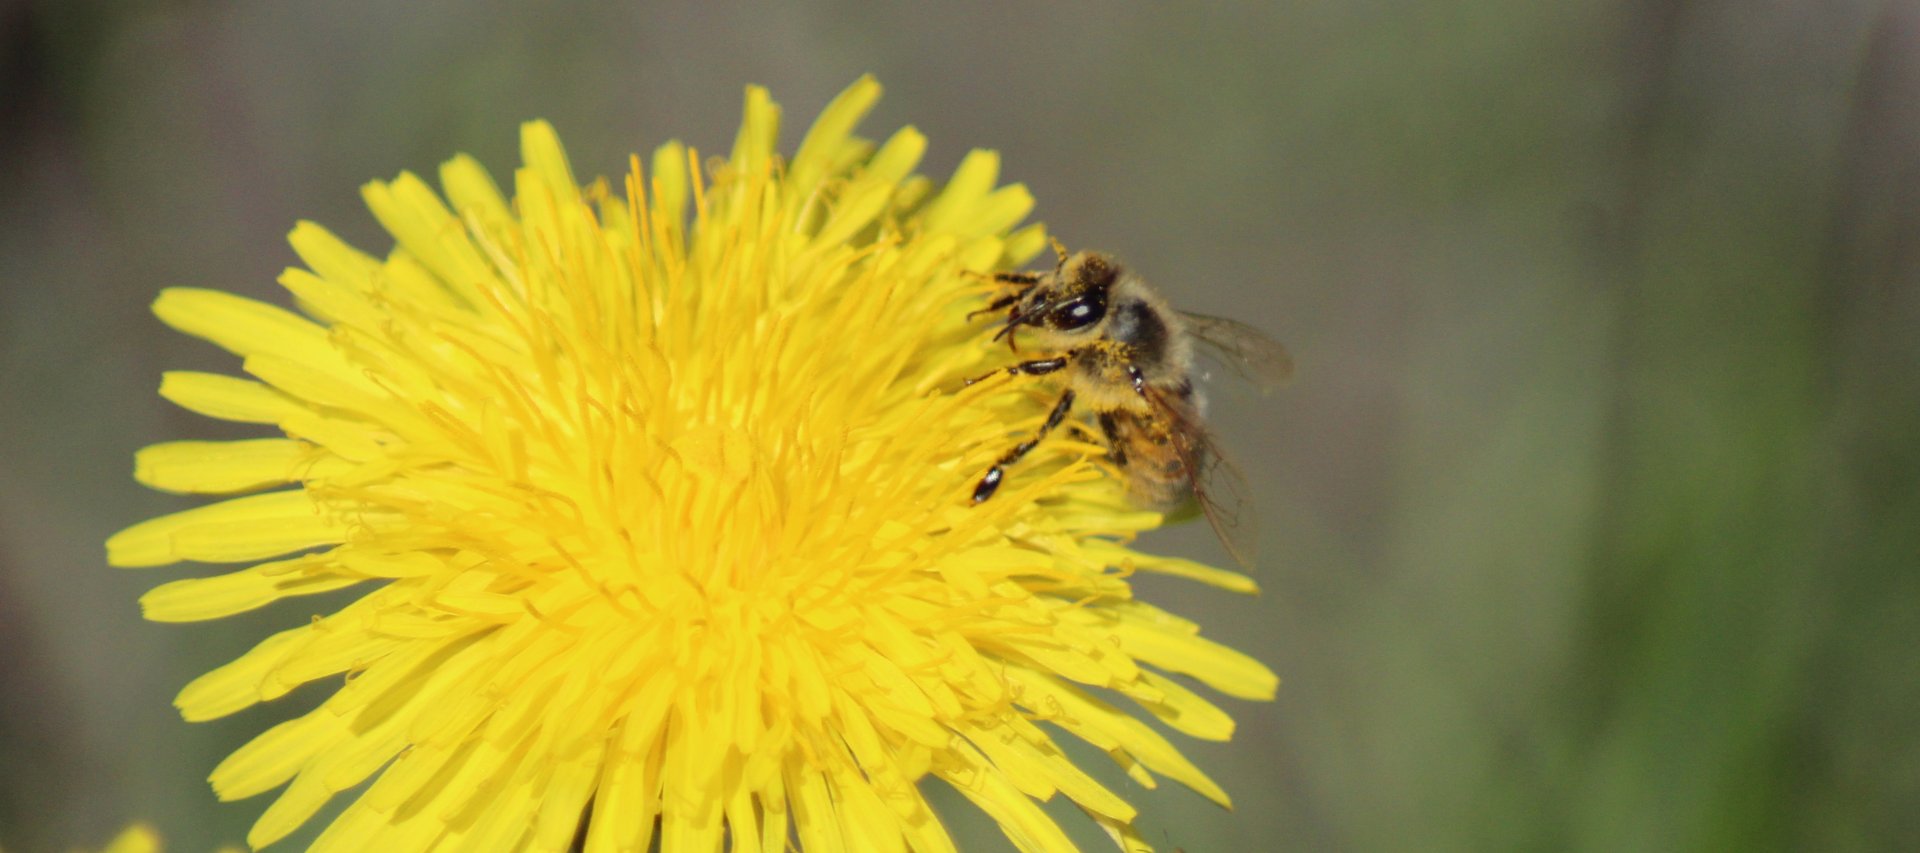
1127,355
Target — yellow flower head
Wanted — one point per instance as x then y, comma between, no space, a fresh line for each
138,838
141,838
658,498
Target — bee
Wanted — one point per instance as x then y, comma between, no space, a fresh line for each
1128,356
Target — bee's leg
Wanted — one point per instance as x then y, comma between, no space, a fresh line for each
1036,367
1138,379
1021,282
991,482
997,304
1111,430
1017,279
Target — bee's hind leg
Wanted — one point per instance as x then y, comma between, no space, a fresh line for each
1111,430
991,482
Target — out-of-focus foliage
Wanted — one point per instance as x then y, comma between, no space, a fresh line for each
1591,521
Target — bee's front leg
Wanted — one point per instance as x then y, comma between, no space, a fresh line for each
990,483
996,304
1021,282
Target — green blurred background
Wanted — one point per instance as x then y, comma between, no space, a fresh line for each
1592,522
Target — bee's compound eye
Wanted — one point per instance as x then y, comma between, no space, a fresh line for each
1077,313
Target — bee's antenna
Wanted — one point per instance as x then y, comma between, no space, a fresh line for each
1059,249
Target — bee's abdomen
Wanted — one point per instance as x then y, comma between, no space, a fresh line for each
1162,490
1157,477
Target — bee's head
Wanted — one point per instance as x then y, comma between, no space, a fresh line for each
1071,303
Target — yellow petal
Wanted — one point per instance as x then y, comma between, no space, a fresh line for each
924,831
1173,566
759,129
293,807
830,131
1102,725
331,258
352,440
243,326
671,187
743,822
856,210
626,805
423,226
1220,667
219,466
775,815
957,205
138,838
999,211
332,302
867,823
566,796
362,827
233,531
895,159
540,149
408,776
1125,837
506,822
228,398
1069,779
199,599
1023,244
1185,710
274,755
815,820
317,383
1024,824
338,645
236,685
470,188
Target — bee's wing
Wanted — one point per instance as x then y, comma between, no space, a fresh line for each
1219,488
1244,348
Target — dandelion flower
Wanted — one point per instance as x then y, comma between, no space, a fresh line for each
141,838
138,838
656,499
